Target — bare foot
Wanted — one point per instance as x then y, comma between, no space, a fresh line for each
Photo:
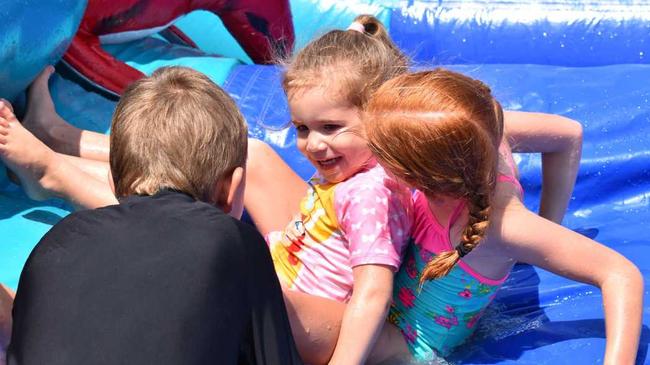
42,119
32,161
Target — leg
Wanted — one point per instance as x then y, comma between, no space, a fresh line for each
43,174
99,170
42,120
390,347
316,322
6,303
273,190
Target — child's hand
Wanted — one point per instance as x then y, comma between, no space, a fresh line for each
295,231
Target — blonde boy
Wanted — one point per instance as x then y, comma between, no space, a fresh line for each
165,276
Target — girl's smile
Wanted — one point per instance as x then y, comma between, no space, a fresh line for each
329,162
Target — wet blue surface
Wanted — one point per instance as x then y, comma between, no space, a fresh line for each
537,318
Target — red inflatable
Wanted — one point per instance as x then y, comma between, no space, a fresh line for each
262,27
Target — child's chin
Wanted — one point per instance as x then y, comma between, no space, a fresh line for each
332,176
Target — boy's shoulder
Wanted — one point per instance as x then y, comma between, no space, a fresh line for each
167,215
134,230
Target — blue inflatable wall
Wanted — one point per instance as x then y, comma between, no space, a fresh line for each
585,60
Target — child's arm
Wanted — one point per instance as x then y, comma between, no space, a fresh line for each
529,238
376,221
559,139
365,314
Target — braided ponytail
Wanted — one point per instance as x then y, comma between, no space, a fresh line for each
477,225
455,122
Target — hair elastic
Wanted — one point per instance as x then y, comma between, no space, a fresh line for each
462,250
358,27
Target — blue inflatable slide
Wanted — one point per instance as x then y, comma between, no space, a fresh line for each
587,60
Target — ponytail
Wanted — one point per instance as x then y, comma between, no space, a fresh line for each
478,186
374,28
349,64
474,232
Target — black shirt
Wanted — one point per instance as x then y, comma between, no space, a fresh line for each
158,279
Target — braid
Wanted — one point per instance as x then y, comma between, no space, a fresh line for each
474,232
477,224
439,266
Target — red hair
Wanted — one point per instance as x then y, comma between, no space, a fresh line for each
439,131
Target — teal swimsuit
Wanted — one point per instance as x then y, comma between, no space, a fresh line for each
445,312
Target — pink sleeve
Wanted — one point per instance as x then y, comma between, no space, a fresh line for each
374,219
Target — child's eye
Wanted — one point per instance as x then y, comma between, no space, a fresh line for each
331,127
301,128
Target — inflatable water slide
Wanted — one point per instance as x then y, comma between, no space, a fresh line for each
587,60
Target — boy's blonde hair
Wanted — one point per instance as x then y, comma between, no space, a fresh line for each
175,129
439,131
349,64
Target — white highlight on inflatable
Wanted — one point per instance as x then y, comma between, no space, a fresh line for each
131,35
524,13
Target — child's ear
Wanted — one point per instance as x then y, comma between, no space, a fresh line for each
230,194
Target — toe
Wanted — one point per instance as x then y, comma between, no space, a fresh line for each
6,103
6,113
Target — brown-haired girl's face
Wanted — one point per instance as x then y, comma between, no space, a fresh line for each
329,134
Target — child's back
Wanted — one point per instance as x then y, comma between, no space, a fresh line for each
444,311
151,280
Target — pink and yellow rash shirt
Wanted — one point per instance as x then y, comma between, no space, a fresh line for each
363,220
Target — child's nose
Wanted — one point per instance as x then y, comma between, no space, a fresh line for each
315,142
